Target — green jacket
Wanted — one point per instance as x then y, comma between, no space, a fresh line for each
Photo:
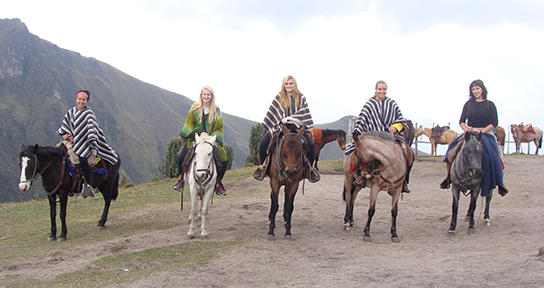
193,124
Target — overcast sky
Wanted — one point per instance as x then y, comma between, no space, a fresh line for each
427,51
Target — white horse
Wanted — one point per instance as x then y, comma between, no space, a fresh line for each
201,177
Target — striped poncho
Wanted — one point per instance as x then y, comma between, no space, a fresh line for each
276,113
83,126
377,115
195,125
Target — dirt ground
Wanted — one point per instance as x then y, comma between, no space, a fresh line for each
321,253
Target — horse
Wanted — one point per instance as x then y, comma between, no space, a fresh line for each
383,164
501,135
445,137
286,169
409,132
466,174
327,135
50,163
201,177
526,133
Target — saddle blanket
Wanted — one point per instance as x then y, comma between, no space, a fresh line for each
315,135
98,167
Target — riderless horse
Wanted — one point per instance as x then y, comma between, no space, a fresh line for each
324,136
526,133
445,136
201,177
383,164
51,164
466,174
409,132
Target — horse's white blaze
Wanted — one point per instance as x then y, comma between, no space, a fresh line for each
24,185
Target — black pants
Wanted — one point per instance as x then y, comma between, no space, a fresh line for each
308,146
182,155
86,169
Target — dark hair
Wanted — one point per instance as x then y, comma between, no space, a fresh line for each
480,84
86,92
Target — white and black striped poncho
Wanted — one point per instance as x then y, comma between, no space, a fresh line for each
83,126
276,113
377,115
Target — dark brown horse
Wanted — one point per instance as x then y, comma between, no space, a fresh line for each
409,132
286,169
327,136
383,165
501,135
50,163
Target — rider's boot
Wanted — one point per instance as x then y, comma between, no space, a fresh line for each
181,183
447,181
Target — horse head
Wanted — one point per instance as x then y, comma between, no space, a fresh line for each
341,138
29,166
203,160
420,130
471,156
291,149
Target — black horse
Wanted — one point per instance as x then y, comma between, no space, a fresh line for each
50,163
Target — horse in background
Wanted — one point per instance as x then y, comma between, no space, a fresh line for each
201,176
466,174
445,137
383,165
286,169
50,163
409,132
501,136
526,133
324,136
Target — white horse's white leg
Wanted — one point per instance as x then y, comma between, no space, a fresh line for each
205,207
192,216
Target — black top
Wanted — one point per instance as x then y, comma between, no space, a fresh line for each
479,114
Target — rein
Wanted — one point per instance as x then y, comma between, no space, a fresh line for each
282,175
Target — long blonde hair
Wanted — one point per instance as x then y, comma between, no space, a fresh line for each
379,82
284,98
213,108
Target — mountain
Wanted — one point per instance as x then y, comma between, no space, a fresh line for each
38,81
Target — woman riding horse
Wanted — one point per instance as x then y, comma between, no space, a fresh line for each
381,113
80,129
289,102
480,116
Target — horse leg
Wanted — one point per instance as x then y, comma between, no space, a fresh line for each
350,192
289,206
473,199
371,211
53,216
274,206
106,191
192,215
394,213
205,208
63,197
454,210
487,218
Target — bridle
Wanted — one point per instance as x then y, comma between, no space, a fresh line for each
36,174
282,175
463,182
207,171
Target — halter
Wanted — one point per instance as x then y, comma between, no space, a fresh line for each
208,172
36,174
282,175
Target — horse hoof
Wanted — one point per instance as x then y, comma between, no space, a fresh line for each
395,239
451,233
190,237
487,222
470,231
288,237
270,237
467,218
205,237
50,239
61,239
367,239
352,224
100,227
346,226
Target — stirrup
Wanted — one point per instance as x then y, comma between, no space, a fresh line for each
445,184
360,181
313,175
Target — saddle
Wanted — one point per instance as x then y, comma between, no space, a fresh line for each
191,154
316,134
439,130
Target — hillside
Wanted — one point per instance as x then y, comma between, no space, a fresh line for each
39,81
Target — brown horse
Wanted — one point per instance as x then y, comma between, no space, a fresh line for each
501,135
526,133
409,132
383,165
327,136
286,169
445,138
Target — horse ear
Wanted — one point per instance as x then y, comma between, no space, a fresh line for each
213,139
197,138
301,131
35,149
354,136
284,129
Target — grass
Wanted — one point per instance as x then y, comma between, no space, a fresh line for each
145,208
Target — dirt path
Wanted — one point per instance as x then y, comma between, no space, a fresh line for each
322,254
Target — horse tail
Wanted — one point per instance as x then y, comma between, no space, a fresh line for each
115,187
344,194
540,143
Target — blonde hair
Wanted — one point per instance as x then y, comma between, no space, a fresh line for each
213,108
284,98
379,82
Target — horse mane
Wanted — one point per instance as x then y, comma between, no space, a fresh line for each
327,132
380,134
48,151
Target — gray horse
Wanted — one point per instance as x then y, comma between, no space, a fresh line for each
466,174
